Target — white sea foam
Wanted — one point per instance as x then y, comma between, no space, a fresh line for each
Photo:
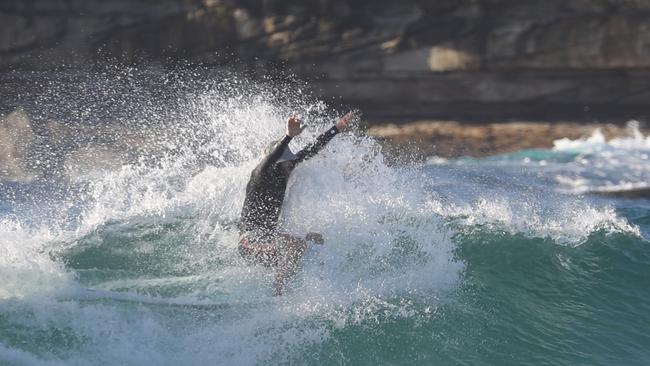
566,221
601,165
25,267
382,242
16,357
388,245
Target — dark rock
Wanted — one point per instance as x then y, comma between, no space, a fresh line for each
442,58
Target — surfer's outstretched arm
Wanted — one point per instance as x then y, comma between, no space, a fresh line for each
322,140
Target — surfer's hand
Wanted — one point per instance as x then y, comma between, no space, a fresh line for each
294,126
342,123
315,238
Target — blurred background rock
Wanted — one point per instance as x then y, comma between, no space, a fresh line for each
467,61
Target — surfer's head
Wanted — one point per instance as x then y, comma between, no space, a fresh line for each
287,155
285,160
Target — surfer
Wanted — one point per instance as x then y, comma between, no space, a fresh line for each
261,241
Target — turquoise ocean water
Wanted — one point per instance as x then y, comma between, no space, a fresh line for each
505,260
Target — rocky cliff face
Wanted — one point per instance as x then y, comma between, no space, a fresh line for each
486,60
585,59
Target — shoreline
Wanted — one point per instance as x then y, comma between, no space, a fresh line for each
453,139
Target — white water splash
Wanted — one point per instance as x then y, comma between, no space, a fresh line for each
616,165
382,243
25,267
175,290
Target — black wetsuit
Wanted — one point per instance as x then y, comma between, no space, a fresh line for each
267,185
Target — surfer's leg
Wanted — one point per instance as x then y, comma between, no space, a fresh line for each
260,252
291,250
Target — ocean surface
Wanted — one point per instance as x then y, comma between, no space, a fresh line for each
505,260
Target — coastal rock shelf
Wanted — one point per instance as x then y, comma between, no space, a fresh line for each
454,139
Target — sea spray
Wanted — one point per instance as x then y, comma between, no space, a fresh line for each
422,263
620,164
25,267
